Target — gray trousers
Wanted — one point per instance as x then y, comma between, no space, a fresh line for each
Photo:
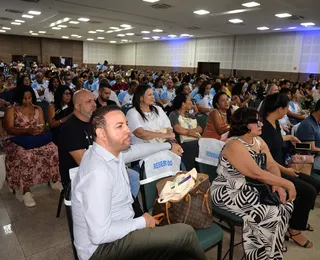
178,241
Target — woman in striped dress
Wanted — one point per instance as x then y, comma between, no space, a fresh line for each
264,225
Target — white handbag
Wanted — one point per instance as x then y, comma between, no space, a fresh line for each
187,123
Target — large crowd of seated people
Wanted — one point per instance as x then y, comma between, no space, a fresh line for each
51,116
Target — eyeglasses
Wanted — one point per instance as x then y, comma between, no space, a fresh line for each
67,94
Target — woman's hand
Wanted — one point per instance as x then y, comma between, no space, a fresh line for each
193,133
34,130
292,193
177,149
281,192
169,136
291,172
294,140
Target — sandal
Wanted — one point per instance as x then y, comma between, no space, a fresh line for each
290,236
284,249
309,228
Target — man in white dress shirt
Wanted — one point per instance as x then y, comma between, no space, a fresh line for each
103,217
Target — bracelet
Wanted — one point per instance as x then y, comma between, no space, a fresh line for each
60,121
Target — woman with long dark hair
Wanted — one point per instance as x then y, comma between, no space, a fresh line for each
240,96
275,107
54,83
218,123
147,122
60,110
203,98
240,161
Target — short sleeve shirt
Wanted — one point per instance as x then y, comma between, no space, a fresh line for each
309,131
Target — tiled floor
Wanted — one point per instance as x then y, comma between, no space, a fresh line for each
36,234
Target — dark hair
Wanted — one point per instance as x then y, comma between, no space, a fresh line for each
50,86
237,89
240,120
294,90
215,102
19,94
217,87
133,83
98,120
202,88
74,80
285,91
317,107
21,79
273,102
180,88
104,83
58,97
179,100
140,91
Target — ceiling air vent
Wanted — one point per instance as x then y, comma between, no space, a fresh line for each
5,19
193,28
13,11
161,6
74,27
30,1
295,18
94,22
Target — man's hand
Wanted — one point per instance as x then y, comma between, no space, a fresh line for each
281,192
177,149
150,221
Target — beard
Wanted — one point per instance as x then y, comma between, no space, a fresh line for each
86,114
104,99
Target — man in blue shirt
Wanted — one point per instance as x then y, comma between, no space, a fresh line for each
309,132
103,217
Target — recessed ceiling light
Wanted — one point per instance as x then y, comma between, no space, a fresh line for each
283,15
184,35
201,12
92,32
79,36
112,41
191,35
34,12
145,32
127,28
56,28
277,29
19,21
110,31
65,37
155,37
263,28
157,30
235,21
14,23
30,31
237,11
303,24
125,25
6,28
41,31
59,21
99,30
74,22
82,19
151,1
291,28
251,4
118,30
52,24
130,34
62,26
172,35
34,34
146,38
27,16
74,35
121,35
124,40
90,39
66,19
114,28
2,31
100,38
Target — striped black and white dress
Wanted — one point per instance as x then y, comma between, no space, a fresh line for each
264,226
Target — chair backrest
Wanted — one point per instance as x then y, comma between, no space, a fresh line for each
209,151
152,169
125,108
202,119
294,129
208,169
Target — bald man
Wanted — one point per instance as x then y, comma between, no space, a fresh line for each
76,134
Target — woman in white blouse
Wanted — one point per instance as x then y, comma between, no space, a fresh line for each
54,83
147,122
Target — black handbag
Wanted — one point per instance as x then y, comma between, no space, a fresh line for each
267,197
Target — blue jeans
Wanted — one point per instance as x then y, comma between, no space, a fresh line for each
134,178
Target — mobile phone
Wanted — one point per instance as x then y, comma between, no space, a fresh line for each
302,146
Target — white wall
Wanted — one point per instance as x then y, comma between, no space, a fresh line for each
282,52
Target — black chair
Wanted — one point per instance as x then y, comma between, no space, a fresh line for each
125,108
224,216
67,203
208,237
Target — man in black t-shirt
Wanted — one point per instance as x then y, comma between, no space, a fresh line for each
104,95
76,134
